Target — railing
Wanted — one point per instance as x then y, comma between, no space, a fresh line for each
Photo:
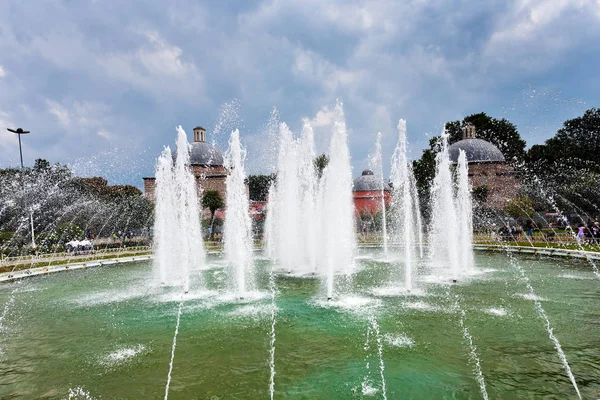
49,257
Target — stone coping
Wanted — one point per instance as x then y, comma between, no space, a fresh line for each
544,251
28,273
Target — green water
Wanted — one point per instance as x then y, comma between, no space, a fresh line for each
107,333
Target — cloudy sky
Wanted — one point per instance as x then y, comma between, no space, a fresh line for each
102,84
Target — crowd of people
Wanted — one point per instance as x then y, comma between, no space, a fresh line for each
585,233
589,233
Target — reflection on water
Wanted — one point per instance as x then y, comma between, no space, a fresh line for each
107,333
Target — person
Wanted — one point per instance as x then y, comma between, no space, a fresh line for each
529,229
589,232
580,233
513,232
504,232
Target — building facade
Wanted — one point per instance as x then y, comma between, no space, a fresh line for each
206,162
367,193
488,170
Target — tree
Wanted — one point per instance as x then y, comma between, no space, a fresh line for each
519,207
500,132
424,171
213,201
480,194
320,163
567,166
41,165
575,145
68,231
258,186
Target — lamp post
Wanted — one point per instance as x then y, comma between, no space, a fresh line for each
19,132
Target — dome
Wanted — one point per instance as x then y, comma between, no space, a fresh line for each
202,153
477,151
368,182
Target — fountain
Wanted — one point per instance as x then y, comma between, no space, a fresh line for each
238,226
178,243
376,164
336,208
405,207
464,211
310,226
446,247
439,341
285,233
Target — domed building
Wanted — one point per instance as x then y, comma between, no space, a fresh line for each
207,165
488,170
367,193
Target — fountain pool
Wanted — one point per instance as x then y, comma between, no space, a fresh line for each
108,333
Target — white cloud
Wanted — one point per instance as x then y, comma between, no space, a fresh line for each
7,139
2,72
350,17
528,17
324,117
532,34
156,66
60,112
80,118
106,135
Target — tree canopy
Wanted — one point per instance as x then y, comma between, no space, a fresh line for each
576,145
258,186
320,163
213,201
56,198
567,166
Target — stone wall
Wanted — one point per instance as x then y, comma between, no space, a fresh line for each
207,178
149,187
501,179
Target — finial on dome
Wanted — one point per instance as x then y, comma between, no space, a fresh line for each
468,131
199,134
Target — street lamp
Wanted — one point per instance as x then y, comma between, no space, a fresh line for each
20,131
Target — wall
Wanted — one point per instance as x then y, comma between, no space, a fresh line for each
501,179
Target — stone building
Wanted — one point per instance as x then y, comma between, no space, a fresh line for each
488,169
367,193
206,161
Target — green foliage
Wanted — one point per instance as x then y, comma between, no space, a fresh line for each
424,171
568,164
378,221
321,163
520,207
258,186
68,231
46,242
480,194
213,201
6,236
575,145
41,165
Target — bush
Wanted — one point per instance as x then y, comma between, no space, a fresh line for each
6,236
68,231
46,241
